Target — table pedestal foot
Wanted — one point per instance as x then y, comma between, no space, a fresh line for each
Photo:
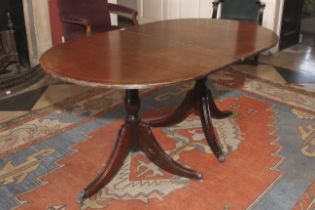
208,129
179,115
114,163
133,135
155,153
215,112
200,101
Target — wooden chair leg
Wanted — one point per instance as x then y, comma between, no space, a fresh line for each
256,58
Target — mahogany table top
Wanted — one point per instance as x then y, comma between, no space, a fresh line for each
156,54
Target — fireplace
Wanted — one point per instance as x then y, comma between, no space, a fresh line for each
16,71
8,51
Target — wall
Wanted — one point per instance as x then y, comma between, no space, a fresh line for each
37,28
152,10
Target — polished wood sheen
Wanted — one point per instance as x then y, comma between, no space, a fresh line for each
199,100
157,54
135,134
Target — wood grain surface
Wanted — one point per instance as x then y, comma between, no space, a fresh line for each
156,54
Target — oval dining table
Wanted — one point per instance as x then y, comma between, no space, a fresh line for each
152,55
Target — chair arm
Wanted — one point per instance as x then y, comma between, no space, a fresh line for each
215,5
122,9
261,6
79,21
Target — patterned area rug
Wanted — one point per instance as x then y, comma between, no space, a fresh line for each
48,156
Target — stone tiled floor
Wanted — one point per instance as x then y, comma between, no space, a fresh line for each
295,66
299,58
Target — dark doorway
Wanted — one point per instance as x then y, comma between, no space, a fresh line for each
308,23
291,23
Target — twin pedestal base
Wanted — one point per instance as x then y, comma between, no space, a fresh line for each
135,134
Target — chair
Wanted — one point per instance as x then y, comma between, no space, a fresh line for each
242,10
85,17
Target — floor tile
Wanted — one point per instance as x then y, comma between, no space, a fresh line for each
295,76
56,93
308,87
22,102
296,58
267,72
